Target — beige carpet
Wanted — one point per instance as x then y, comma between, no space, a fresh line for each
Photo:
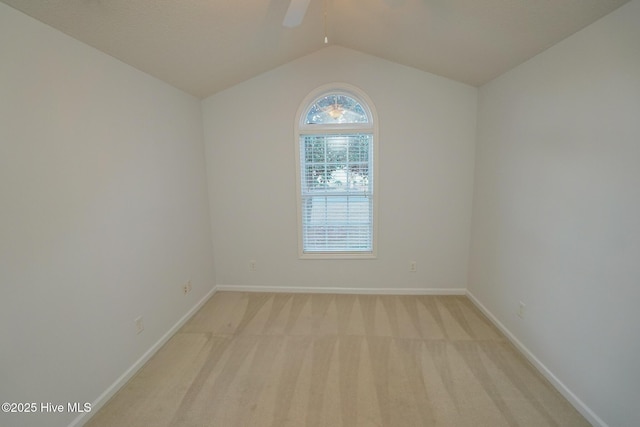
271,360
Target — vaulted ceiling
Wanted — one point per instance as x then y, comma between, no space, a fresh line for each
204,46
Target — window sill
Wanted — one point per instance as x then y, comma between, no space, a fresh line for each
338,255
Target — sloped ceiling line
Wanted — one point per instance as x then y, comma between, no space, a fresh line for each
205,46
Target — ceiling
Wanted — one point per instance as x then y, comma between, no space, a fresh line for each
205,46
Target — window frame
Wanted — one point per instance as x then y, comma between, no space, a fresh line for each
301,129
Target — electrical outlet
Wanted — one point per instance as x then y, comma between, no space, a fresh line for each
139,324
252,265
187,287
521,307
412,266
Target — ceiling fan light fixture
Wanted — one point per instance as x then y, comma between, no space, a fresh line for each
324,6
336,111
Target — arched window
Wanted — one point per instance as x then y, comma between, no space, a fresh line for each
336,152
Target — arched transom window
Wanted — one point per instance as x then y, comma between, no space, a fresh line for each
336,143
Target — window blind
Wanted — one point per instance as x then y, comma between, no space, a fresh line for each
337,192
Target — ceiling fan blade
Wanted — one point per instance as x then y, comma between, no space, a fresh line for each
295,13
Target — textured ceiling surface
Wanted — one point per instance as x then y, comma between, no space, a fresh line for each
204,46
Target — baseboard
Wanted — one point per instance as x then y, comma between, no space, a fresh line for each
126,376
342,290
559,385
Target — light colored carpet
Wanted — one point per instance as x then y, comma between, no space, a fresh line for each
272,360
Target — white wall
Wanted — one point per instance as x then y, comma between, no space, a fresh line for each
103,215
556,220
426,152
